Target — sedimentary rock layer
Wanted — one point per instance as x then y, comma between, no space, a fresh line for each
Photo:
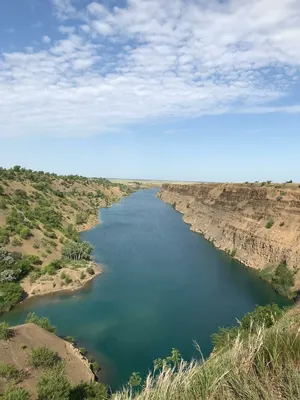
237,219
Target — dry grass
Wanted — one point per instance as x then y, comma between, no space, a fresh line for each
264,366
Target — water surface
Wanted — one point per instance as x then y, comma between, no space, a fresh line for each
163,286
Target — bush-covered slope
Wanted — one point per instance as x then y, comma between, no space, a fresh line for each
41,215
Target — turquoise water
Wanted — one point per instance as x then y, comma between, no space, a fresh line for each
163,286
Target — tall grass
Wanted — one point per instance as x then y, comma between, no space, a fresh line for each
265,365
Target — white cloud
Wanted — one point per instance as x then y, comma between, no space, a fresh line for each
46,39
102,28
153,59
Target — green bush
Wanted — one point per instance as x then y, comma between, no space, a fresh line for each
10,294
16,241
3,205
5,332
4,236
16,394
283,279
43,322
269,223
69,339
261,316
90,270
25,233
36,245
89,391
53,385
82,275
10,372
43,357
233,252
81,218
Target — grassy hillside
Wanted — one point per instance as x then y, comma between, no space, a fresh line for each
41,215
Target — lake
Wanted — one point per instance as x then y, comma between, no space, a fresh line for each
163,286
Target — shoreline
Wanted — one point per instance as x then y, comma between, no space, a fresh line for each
38,289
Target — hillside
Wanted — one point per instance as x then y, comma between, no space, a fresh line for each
258,224
25,338
41,215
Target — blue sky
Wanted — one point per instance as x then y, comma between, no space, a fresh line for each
181,89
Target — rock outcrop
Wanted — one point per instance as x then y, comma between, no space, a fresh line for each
258,225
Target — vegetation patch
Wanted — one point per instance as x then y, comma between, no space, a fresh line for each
269,223
43,357
281,278
43,322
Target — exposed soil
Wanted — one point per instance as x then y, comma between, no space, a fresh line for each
26,337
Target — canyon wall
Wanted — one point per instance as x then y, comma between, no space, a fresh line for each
258,225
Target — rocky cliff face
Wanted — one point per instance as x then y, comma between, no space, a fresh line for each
234,217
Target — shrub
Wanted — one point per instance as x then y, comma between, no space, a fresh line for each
68,280
269,223
16,394
53,385
2,204
281,223
82,275
43,322
174,205
33,259
10,294
1,190
10,372
81,218
34,275
43,357
90,270
16,241
69,339
261,316
233,252
5,332
36,245
90,391
4,236
283,279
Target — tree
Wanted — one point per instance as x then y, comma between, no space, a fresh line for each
53,385
10,294
77,251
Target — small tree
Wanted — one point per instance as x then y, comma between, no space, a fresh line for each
16,394
5,332
54,385
43,357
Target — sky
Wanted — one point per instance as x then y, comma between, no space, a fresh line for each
202,90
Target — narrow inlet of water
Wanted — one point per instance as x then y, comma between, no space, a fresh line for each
163,286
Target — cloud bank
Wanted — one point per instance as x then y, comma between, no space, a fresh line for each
150,60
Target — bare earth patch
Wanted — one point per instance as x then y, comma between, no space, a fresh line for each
50,284
30,336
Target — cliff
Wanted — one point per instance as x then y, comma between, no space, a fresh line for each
258,225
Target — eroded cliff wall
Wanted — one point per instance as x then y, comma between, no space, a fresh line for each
234,218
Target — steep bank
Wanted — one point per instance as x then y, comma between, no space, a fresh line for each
258,225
